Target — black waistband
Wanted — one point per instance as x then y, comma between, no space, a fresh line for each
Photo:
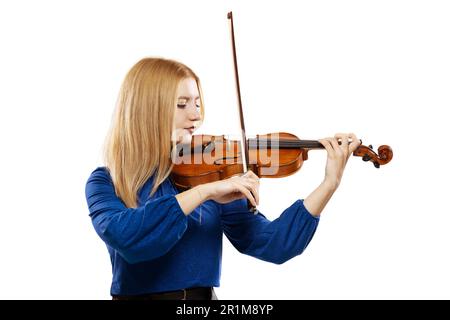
199,293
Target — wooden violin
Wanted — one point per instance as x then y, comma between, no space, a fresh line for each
211,158
275,155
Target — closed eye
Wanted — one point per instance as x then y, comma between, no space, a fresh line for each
182,106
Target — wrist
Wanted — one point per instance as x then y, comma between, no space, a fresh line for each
203,192
330,184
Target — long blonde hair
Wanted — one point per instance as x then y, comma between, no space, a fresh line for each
139,142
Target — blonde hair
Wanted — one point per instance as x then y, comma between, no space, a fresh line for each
139,142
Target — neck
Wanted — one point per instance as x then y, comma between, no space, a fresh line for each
285,144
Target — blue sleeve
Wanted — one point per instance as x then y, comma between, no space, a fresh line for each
138,234
274,241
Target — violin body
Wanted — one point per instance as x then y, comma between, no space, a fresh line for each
211,158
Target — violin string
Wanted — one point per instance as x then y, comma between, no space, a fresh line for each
287,144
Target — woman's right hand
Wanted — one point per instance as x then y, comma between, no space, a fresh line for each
237,187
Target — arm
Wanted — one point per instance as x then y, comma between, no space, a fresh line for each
337,157
317,200
138,234
192,198
273,241
289,235
151,230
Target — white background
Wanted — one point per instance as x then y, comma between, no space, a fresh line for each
313,68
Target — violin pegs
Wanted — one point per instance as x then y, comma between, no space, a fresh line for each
370,146
377,165
366,157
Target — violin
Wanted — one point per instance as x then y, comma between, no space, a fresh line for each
211,158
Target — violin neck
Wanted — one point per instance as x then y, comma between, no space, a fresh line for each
285,144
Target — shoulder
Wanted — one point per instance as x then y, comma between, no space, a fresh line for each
100,177
100,192
101,173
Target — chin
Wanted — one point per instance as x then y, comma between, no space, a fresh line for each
185,139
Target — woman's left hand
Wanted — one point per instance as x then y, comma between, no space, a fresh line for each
338,155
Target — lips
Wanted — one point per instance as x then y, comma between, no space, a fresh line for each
190,129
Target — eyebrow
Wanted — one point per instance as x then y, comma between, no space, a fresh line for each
188,98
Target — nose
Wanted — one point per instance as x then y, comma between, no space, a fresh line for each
194,113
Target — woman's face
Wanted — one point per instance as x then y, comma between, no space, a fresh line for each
187,112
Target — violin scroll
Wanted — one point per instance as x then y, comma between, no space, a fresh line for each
383,157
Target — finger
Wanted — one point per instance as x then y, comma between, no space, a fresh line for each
355,142
343,141
246,193
351,137
254,179
253,187
339,152
327,145
251,175
255,190
342,138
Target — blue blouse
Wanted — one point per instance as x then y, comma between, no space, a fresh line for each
155,247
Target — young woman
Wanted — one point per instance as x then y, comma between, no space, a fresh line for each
168,245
